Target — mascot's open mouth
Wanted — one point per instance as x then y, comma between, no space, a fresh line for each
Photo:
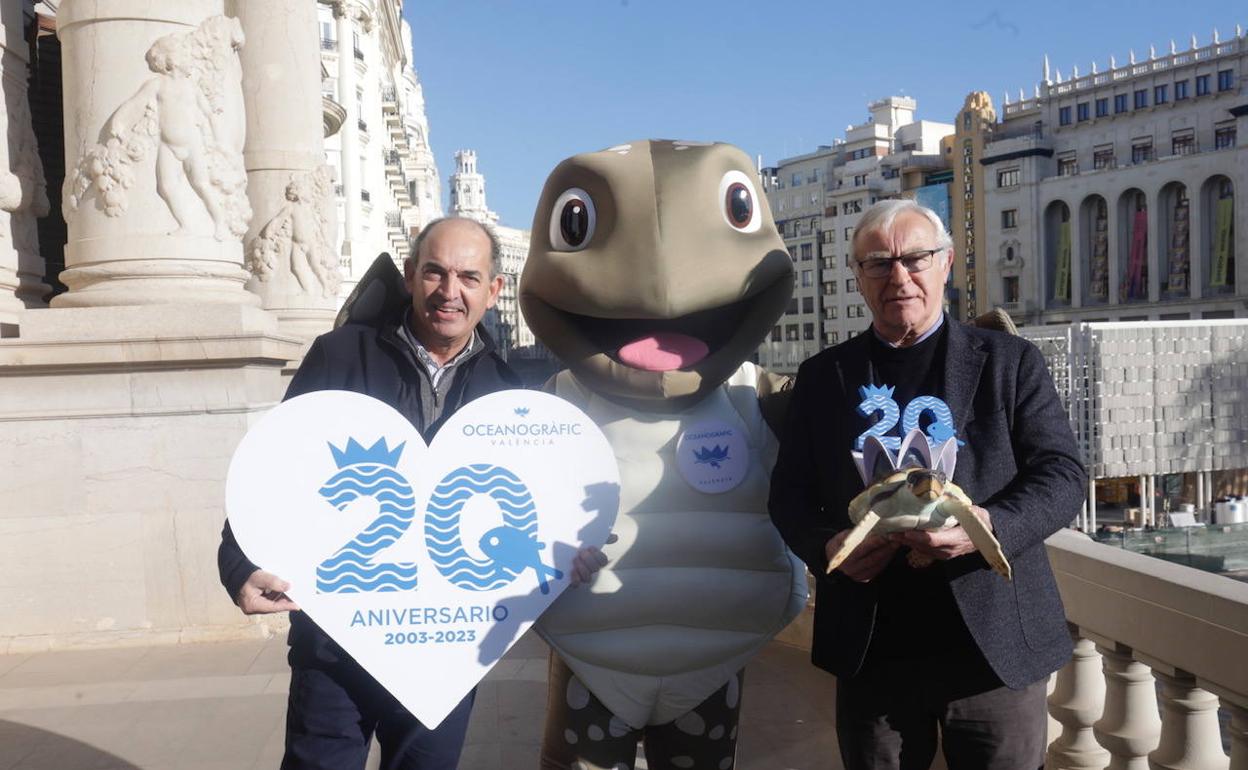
663,344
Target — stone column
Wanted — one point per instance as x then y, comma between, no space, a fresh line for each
291,246
155,189
1131,726
349,136
23,191
1077,703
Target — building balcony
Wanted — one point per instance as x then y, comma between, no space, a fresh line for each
333,115
910,160
329,44
359,55
1010,145
391,107
1150,636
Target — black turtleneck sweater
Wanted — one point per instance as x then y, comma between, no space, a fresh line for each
917,619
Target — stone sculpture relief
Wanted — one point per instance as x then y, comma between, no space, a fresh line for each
23,190
298,235
191,114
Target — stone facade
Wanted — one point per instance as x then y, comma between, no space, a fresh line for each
388,186
1118,195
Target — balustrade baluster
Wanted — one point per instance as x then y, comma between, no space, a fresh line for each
1077,703
1190,736
1238,731
1131,725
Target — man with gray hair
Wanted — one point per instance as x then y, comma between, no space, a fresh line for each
923,636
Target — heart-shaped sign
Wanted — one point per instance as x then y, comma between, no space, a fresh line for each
425,564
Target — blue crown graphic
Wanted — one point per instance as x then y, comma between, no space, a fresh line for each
870,391
711,456
523,411
354,453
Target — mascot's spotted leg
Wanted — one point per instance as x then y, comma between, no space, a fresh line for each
589,736
654,271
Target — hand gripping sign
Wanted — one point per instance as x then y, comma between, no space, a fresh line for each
424,563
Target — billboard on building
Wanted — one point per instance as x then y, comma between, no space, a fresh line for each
936,198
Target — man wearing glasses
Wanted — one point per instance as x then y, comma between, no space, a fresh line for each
939,643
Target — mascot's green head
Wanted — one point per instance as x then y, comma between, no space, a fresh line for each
655,269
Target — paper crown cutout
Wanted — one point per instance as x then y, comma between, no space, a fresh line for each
876,461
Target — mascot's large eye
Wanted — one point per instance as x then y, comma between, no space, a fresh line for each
739,202
572,220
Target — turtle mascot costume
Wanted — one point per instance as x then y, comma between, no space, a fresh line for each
654,271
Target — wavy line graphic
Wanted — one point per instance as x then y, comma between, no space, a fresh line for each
442,523
351,569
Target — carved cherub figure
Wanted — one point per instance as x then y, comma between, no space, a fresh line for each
182,111
296,234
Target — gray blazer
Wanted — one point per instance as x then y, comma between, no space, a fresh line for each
1020,462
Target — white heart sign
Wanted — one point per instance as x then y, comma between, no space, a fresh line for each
424,563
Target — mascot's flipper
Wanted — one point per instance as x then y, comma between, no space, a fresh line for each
855,538
983,539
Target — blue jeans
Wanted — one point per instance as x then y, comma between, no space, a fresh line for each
332,713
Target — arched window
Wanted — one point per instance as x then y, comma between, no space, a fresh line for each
1094,236
1057,254
1217,201
1133,246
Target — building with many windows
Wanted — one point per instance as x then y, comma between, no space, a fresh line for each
1118,195
387,181
817,200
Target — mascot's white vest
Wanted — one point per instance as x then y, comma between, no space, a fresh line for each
697,582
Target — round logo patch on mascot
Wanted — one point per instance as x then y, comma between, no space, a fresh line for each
713,457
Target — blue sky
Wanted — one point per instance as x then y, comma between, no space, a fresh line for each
527,83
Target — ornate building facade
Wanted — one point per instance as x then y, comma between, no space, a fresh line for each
388,185
1119,195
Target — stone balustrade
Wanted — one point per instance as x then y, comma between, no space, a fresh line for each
1158,647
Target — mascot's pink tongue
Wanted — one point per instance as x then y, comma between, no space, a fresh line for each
663,352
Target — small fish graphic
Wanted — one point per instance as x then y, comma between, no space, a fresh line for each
513,550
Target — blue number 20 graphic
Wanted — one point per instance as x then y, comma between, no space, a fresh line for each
510,548
879,398
368,473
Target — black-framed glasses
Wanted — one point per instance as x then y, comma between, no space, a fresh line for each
881,265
